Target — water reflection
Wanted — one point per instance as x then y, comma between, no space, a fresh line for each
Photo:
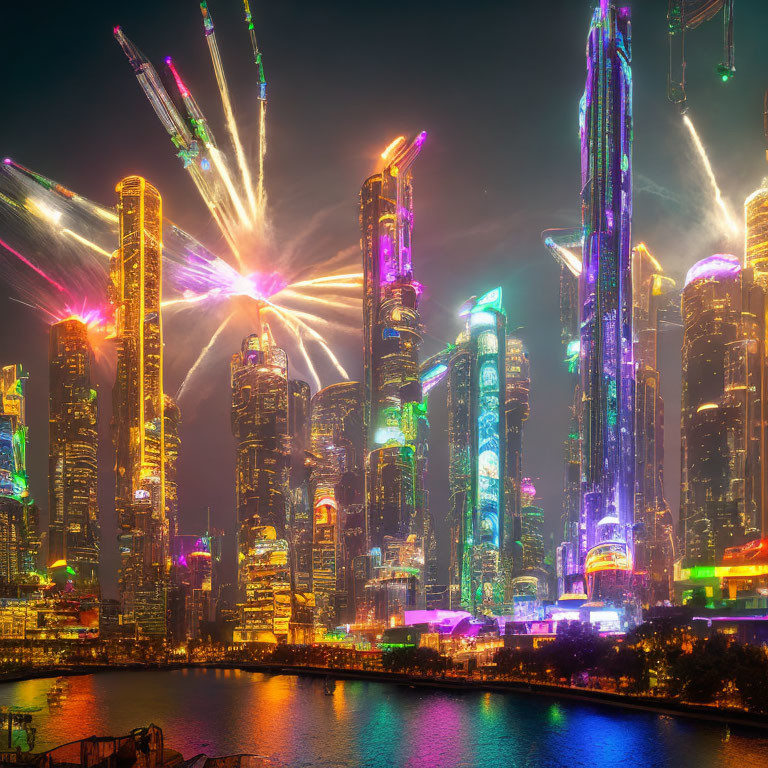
372,725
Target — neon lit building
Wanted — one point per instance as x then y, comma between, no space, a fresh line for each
338,476
259,378
531,528
517,410
476,470
723,314
654,529
73,534
18,515
606,360
138,424
395,415
566,247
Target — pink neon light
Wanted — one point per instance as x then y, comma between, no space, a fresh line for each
32,266
183,90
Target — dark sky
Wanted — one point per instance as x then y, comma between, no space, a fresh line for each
496,85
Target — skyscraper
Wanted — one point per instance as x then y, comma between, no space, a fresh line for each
338,448
299,511
607,367
723,311
138,423
654,531
476,424
72,454
531,528
18,516
172,423
756,220
259,379
394,416
517,410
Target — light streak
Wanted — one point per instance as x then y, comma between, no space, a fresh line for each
697,143
226,103
33,267
86,242
300,341
202,356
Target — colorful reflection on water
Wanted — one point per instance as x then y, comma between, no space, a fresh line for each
375,725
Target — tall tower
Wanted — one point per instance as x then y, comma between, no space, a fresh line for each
654,529
73,443
722,355
517,410
138,423
338,450
476,424
607,367
259,377
395,416
18,515
756,220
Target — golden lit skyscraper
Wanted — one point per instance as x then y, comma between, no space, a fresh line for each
721,501
73,443
259,379
756,220
137,402
654,536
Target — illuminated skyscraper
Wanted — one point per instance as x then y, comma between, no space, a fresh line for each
607,366
566,247
654,530
476,423
18,516
338,448
517,410
531,528
138,423
259,378
756,220
73,442
299,511
395,416
172,423
723,311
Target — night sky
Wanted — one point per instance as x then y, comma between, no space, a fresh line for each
496,85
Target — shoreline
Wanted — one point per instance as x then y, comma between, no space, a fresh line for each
659,706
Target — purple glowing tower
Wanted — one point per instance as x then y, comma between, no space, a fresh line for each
607,366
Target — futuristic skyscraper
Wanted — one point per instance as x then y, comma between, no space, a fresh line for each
607,366
259,378
138,422
395,416
720,501
476,471
18,516
653,294
73,443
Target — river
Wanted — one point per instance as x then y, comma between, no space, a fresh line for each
376,725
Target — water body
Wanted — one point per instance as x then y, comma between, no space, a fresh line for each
376,725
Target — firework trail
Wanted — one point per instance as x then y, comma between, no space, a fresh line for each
206,349
732,224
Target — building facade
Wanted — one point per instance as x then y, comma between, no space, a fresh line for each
606,359
394,415
138,423
654,528
723,315
73,533
477,454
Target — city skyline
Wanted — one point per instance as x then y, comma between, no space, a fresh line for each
543,358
